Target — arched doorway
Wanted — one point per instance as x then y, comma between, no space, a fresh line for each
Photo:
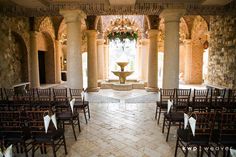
46,57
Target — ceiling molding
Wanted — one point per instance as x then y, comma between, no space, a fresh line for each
141,7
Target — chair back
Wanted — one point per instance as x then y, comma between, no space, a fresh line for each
11,122
44,94
204,125
9,94
167,94
59,93
77,94
183,93
200,101
230,104
227,127
35,120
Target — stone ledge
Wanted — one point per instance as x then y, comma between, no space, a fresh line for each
122,87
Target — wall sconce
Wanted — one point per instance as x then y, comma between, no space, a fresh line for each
205,43
64,61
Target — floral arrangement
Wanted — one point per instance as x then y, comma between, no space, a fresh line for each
123,35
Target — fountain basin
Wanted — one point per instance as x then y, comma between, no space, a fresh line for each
122,65
122,75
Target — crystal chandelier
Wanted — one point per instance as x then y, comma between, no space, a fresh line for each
122,28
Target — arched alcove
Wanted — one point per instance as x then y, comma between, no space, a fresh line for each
20,54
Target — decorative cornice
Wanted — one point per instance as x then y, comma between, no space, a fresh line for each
140,8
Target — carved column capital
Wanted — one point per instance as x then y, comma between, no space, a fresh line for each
73,15
172,15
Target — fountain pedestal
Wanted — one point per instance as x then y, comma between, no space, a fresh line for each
122,74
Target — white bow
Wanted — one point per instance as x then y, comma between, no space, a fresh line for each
169,104
186,117
72,103
192,123
7,152
233,152
47,120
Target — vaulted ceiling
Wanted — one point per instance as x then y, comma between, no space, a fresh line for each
114,7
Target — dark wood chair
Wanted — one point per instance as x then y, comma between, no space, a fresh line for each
176,114
218,99
230,104
165,95
54,136
80,103
200,100
186,140
225,135
14,131
45,94
63,110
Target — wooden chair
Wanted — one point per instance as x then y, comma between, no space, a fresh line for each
225,135
204,125
65,114
54,137
176,114
200,100
14,131
44,94
230,104
80,102
217,98
165,95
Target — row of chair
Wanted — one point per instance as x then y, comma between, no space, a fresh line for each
213,132
203,101
26,131
37,96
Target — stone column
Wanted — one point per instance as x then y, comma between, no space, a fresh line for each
171,47
34,65
74,56
100,52
188,60
106,61
152,61
92,61
58,49
145,50
139,61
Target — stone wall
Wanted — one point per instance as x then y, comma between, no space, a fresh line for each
222,52
14,48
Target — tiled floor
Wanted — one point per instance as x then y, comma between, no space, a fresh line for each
119,129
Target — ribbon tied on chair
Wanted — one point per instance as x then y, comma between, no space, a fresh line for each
191,121
169,105
47,120
7,152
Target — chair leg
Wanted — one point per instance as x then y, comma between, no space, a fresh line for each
73,128
159,116
156,112
85,117
163,127
54,149
33,147
88,111
176,147
167,136
25,149
64,143
78,122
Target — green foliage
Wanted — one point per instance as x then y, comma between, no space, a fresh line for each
123,35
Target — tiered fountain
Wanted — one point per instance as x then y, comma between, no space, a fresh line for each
122,74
